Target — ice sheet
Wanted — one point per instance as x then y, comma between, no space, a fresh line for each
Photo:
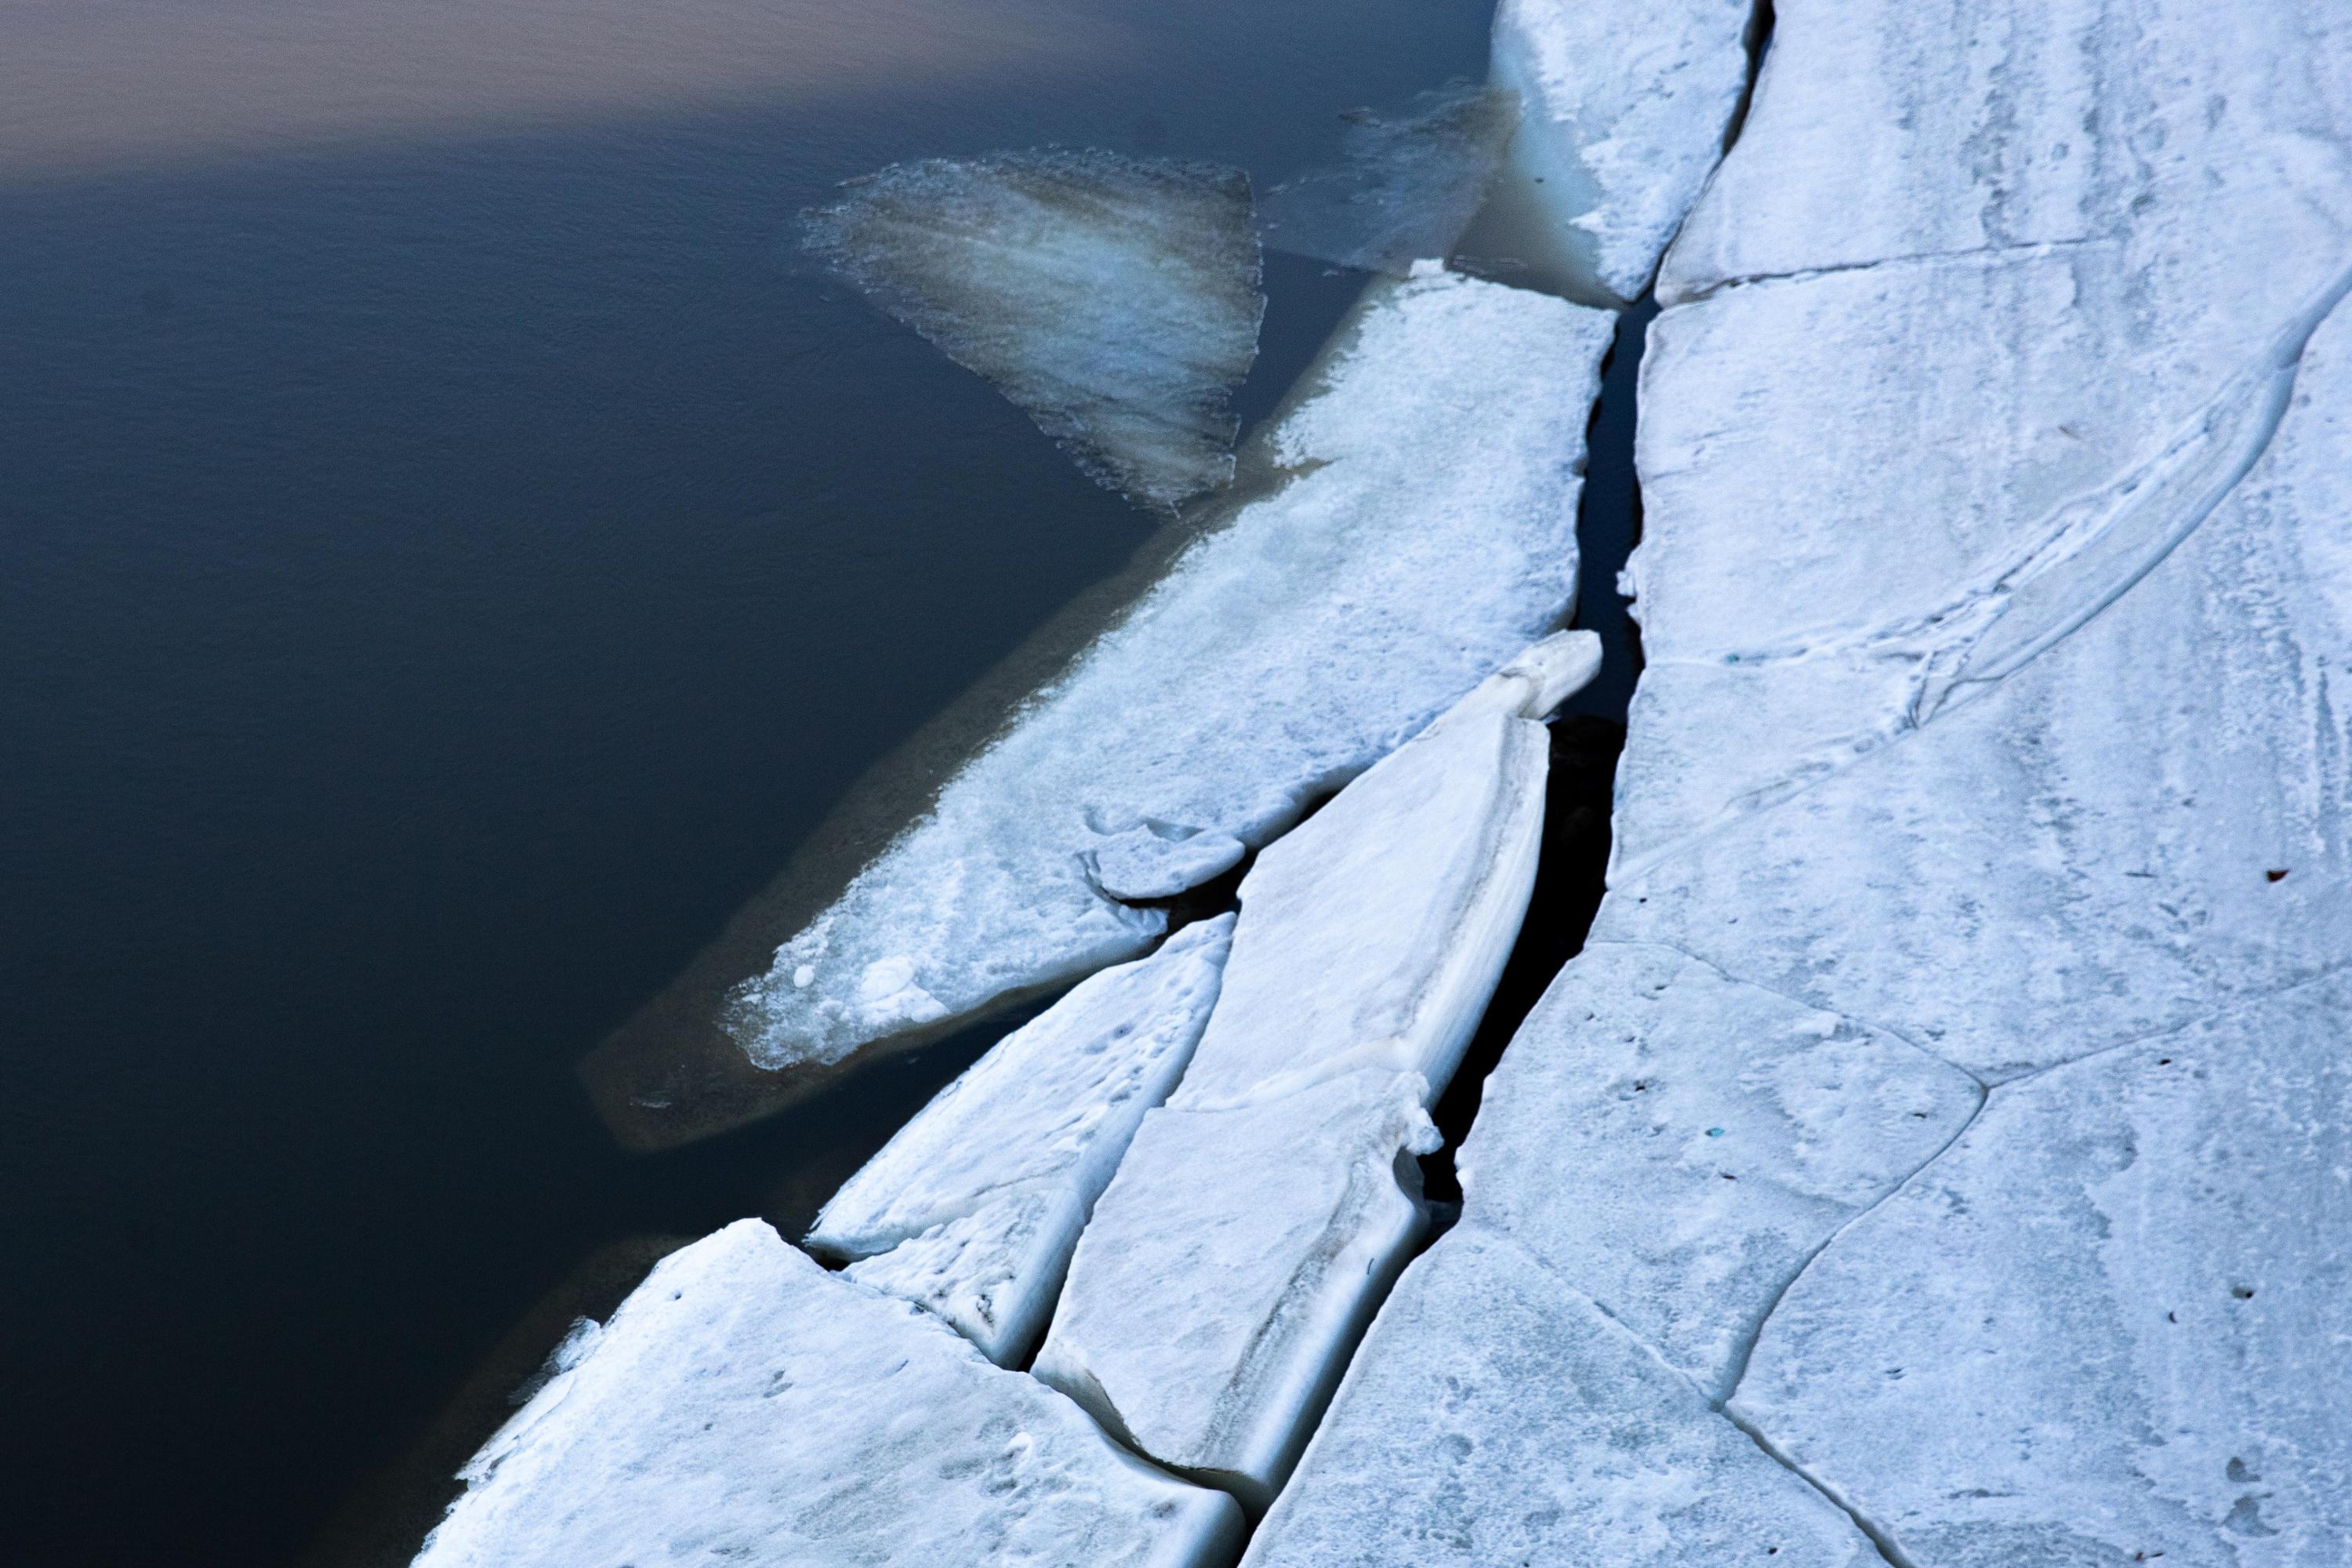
1410,184
1495,1417
743,1406
1420,532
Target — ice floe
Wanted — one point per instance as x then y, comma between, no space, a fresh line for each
1408,187
2110,1324
1415,529
1229,1268
972,1209
1622,114
1676,1145
1495,1417
1372,935
1114,300
743,1406
1259,1215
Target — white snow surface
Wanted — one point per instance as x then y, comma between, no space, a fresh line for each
1496,1416
1372,935
972,1209
1422,532
1231,1267
1114,300
2113,1321
743,1406
1623,113
1677,1145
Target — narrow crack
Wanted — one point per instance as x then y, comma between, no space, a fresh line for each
1757,39
2033,250
1884,1543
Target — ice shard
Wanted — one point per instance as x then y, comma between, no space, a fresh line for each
743,1406
1114,300
1260,1215
1410,526
1407,185
1496,1416
972,1209
1623,113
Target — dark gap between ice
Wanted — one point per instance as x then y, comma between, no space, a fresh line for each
1757,40
1585,741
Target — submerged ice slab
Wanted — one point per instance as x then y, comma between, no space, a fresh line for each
1677,1145
972,1209
1230,1269
2111,1323
1372,935
1114,300
1623,115
1496,1416
743,1406
1410,184
1416,529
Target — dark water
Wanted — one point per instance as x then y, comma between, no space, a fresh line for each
447,558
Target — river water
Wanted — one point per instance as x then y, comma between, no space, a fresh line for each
449,556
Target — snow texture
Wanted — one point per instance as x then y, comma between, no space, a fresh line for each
1677,1145
1407,188
1496,1416
972,1209
1420,532
1622,114
1114,299
743,1406
1372,935
2111,1323
1231,1267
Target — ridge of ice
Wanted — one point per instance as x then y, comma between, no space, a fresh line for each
1114,299
1421,533
972,1208
744,1405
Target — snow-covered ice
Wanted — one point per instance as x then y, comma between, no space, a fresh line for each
972,1209
1622,114
1676,1145
1496,1416
1408,187
1114,300
1230,1269
1416,530
1260,1215
2114,1323
743,1406
1373,934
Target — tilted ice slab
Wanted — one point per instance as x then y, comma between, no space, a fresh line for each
1231,1267
1410,184
1418,531
1494,1416
2110,1323
1622,114
743,1406
1114,300
1260,1215
972,1209
1677,1145
1372,935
